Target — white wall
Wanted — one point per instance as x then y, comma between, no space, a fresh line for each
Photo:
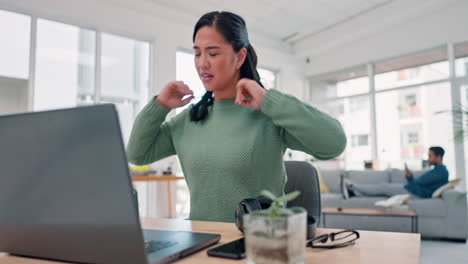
433,28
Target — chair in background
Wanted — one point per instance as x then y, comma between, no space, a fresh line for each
303,177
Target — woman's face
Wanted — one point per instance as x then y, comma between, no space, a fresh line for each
215,59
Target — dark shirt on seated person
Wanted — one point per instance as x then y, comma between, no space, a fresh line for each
427,183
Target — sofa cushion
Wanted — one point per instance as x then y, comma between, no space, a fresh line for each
332,179
450,185
328,198
368,176
398,176
434,207
323,185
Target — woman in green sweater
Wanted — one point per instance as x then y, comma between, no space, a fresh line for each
231,143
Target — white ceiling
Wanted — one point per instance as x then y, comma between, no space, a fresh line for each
282,19
304,26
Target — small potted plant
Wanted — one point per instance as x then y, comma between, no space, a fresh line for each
276,235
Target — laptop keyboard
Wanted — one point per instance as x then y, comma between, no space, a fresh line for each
156,245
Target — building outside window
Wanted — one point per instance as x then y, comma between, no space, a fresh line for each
344,95
359,140
410,91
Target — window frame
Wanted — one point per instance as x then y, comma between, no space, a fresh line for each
453,80
98,51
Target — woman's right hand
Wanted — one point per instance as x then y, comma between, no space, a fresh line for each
172,94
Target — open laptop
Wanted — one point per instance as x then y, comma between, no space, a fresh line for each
66,192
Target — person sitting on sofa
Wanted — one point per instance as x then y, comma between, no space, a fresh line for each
422,187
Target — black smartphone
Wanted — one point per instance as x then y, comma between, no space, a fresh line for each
234,250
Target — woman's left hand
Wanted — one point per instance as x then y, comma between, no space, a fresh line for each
249,93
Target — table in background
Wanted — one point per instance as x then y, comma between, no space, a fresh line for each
160,178
361,212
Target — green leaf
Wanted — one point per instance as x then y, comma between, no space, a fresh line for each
268,195
278,205
288,197
297,209
285,211
273,211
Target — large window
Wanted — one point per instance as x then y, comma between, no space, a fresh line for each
65,70
15,31
268,78
410,76
411,109
461,59
409,122
354,115
462,125
342,84
64,64
14,38
125,77
414,69
344,95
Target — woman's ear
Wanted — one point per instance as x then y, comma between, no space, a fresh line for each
241,55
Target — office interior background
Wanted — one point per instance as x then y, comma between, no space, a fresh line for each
389,70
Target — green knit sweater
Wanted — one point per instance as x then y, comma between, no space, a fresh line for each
236,151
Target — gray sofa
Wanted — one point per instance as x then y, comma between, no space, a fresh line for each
445,217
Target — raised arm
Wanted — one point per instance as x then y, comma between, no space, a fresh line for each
304,127
151,138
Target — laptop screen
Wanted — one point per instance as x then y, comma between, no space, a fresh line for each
65,188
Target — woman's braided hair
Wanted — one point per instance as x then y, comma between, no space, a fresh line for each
234,30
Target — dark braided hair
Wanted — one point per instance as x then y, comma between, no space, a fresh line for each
234,31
